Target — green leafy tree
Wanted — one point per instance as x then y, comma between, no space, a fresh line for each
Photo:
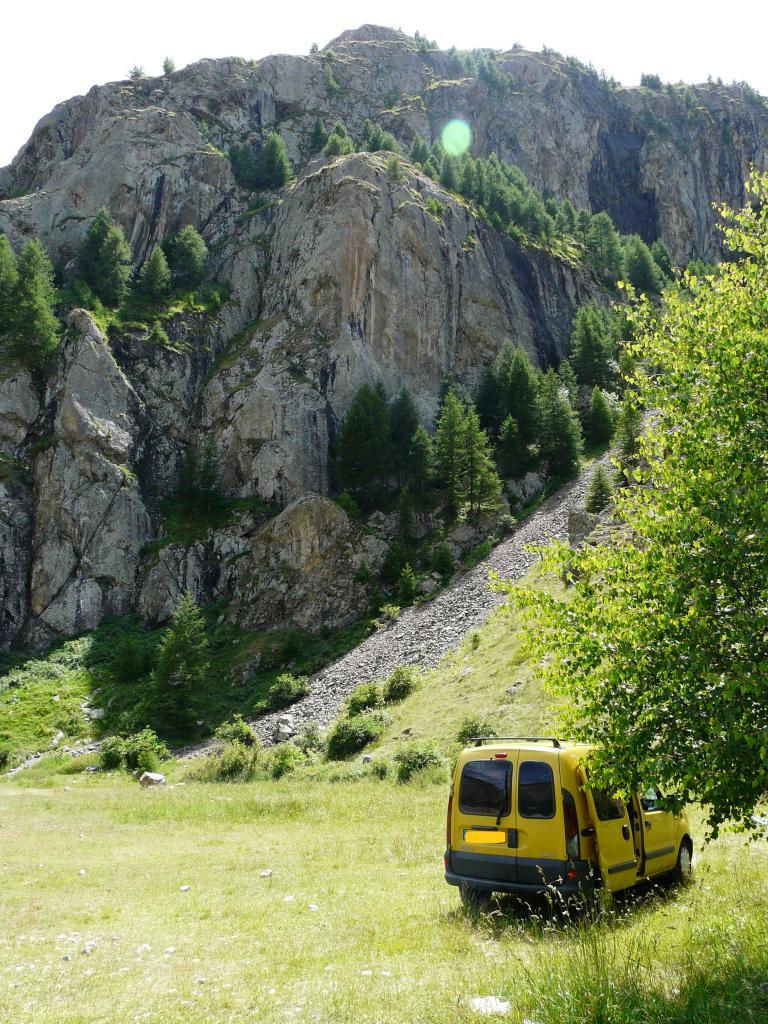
639,267
155,277
363,446
187,256
179,674
660,651
34,334
319,136
599,425
273,168
599,492
560,442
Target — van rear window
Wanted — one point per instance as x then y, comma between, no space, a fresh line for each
535,790
486,788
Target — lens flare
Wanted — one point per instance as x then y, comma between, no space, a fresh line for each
456,137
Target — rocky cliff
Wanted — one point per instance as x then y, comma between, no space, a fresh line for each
345,276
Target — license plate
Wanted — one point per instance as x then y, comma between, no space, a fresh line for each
486,837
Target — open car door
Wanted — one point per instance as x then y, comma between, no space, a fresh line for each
616,854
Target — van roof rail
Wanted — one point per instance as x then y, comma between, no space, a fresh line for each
479,740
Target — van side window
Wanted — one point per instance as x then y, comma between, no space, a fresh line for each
651,799
486,788
609,808
535,790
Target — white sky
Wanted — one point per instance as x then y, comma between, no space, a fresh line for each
53,49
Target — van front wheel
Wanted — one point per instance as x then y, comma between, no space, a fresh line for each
476,900
682,870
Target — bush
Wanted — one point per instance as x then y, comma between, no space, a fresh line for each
5,756
311,741
346,502
235,763
350,735
415,757
472,726
409,587
400,684
111,753
133,658
285,758
286,690
380,769
363,698
144,751
442,560
388,613
237,731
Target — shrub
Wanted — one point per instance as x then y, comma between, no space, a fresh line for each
472,726
287,689
132,659
364,697
380,769
409,587
311,741
111,753
5,756
442,560
350,735
235,763
144,751
237,731
395,169
348,504
285,758
400,684
415,757
388,614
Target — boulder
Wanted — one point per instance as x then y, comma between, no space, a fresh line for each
152,779
580,525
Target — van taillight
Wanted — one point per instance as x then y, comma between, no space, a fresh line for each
571,826
448,820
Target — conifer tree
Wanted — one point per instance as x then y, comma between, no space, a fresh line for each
567,377
88,258
187,256
449,438
419,151
34,330
603,244
519,385
420,460
449,174
599,426
590,346
512,458
403,422
9,280
362,447
155,277
583,221
560,441
319,136
598,496
182,665
339,142
104,259
661,258
639,267
273,169
480,482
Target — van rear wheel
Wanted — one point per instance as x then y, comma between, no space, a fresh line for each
682,870
476,900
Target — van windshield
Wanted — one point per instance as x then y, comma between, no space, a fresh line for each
486,787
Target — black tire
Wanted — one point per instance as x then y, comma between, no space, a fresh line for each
681,873
477,901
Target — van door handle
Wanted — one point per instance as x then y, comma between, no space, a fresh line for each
625,831
648,823
590,830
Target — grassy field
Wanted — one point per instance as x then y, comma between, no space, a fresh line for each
355,922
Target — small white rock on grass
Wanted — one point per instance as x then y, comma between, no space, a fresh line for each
266,873
489,1004
185,888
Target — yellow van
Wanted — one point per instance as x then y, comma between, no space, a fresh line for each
522,819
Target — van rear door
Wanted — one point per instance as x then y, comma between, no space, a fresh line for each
483,820
616,853
541,854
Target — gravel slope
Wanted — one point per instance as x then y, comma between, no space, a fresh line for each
423,634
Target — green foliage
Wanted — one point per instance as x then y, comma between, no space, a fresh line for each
420,460
419,151
472,727
180,670
348,503
415,757
628,425
560,442
362,447
409,589
651,82
112,753
599,492
169,66
363,698
603,245
273,168
339,142
448,448
136,73
237,730
29,330
640,268
155,277
133,658
350,735
376,139
284,759
287,689
187,256
661,649
662,259
481,486
236,762
197,503
104,259
510,387
395,169
591,345
599,425
441,560
319,136
143,752
403,424
400,684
